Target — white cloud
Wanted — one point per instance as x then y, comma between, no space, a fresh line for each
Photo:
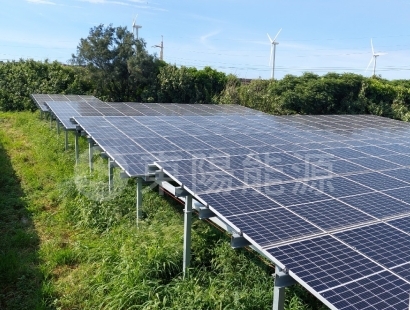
41,2
204,39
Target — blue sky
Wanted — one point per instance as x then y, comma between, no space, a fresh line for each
229,35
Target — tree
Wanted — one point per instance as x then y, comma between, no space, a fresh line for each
106,52
144,69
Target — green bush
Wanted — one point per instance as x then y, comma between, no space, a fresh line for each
329,94
19,79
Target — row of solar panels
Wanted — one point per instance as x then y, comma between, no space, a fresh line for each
326,198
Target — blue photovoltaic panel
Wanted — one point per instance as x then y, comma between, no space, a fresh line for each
401,174
402,224
259,176
98,108
289,147
400,159
403,271
314,146
238,201
341,167
292,193
375,163
326,229
381,242
277,159
331,214
340,187
40,99
346,153
272,225
324,262
210,182
379,291
374,150
205,153
188,166
260,149
236,151
378,204
398,148
377,181
237,162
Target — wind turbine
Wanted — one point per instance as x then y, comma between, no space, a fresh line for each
161,46
273,52
374,58
135,27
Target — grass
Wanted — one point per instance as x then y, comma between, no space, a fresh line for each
65,243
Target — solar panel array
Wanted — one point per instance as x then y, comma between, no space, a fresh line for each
64,111
40,99
324,197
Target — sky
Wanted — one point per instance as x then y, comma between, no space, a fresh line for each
318,36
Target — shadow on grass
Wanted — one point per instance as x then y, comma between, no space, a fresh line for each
20,277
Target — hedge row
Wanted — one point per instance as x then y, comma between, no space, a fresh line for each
306,94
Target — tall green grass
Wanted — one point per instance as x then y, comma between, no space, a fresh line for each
81,250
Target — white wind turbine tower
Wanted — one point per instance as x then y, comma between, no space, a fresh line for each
161,46
273,52
374,58
135,27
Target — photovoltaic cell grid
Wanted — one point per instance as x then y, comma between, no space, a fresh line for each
64,111
314,194
40,99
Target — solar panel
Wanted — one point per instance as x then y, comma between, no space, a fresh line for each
40,99
331,214
377,204
273,225
380,242
399,193
326,198
324,262
377,181
68,110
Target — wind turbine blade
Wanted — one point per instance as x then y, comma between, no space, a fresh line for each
371,43
277,34
381,54
270,39
271,56
371,59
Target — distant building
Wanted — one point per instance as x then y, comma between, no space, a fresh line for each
245,81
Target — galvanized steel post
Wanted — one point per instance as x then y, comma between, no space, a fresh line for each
139,200
187,233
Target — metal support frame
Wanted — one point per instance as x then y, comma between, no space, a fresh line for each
110,175
51,120
66,140
90,153
282,280
187,234
238,241
77,147
160,178
139,200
